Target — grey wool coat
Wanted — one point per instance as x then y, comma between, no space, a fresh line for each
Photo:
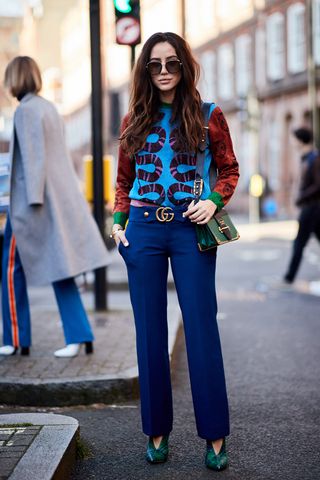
56,235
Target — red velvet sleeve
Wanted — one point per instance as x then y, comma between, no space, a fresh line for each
224,157
125,178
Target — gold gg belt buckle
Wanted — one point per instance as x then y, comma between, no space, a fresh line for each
163,214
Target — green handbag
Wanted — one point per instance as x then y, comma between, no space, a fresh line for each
219,229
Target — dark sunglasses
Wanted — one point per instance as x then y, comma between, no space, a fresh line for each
172,66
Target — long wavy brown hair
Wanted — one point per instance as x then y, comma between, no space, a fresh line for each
145,100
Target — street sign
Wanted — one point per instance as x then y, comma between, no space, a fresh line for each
128,29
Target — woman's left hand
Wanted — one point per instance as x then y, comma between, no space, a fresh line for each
201,212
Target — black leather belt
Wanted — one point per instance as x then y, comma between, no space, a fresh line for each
157,214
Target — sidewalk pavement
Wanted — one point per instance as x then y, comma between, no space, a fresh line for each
37,446
45,448
108,375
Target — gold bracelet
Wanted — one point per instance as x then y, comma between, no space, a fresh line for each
112,234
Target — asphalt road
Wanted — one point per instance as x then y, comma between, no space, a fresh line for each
271,351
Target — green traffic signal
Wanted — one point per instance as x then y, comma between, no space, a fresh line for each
122,6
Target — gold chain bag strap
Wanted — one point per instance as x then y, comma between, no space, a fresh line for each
219,229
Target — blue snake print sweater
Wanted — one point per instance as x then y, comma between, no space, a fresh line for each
165,173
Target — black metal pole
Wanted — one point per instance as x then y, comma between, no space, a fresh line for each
100,290
133,56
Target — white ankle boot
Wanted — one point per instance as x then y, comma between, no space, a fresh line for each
7,350
71,350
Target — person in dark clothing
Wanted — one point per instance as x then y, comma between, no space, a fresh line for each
308,200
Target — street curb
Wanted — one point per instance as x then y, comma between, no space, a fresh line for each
82,390
52,453
66,392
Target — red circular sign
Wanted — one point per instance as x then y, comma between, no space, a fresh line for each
128,31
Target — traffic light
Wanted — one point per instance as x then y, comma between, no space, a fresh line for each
128,30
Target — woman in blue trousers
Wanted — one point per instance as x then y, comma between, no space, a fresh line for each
50,235
156,172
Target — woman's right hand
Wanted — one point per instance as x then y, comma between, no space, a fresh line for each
119,235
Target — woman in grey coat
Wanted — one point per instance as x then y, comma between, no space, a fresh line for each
50,235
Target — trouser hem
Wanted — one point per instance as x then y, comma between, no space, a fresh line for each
156,433
214,435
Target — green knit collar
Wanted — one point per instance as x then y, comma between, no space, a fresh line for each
165,105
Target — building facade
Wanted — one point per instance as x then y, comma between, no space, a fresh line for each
254,63
257,71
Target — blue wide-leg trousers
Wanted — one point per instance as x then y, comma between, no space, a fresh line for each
15,303
152,243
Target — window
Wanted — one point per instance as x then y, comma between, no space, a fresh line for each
208,76
296,38
243,64
225,71
275,46
316,31
260,57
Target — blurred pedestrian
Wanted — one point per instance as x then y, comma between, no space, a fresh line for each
50,235
308,199
156,172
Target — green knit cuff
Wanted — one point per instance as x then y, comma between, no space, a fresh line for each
216,198
120,218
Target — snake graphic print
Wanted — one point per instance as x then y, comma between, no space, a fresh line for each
164,172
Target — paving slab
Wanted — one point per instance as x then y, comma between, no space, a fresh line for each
43,449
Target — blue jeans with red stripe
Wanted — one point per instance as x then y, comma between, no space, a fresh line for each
151,244
15,303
